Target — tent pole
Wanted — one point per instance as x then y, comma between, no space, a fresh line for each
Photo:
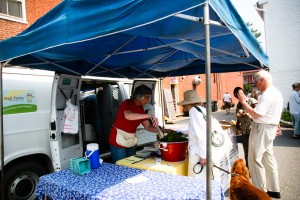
108,56
208,103
162,102
1,133
198,19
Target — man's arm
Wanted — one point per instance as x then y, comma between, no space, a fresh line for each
248,109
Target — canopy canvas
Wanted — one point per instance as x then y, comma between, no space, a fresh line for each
135,39
138,39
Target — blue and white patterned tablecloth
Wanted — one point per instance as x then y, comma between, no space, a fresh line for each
111,181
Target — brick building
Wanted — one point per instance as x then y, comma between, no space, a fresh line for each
220,83
16,16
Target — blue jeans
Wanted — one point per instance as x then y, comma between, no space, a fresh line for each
296,124
120,153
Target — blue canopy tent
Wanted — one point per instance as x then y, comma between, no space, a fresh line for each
133,39
138,39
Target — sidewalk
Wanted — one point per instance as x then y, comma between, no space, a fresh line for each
286,150
182,122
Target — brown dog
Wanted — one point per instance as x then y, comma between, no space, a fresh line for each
240,186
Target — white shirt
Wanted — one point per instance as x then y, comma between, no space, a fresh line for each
197,136
227,98
197,132
294,101
270,104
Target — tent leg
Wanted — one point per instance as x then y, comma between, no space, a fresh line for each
208,103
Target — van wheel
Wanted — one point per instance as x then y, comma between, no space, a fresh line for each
21,180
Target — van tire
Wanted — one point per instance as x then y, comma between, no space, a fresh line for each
20,181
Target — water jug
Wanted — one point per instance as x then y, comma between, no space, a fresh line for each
92,153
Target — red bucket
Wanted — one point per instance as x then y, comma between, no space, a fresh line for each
173,151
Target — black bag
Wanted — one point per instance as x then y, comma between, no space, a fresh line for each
238,127
288,106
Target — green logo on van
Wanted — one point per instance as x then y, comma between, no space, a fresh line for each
19,101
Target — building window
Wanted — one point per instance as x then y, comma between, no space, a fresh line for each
245,79
13,10
249,79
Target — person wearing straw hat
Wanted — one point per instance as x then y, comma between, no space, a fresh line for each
196,135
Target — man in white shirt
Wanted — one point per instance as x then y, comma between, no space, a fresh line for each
294,103
227,102
266,116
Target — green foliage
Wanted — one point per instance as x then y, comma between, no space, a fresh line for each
247,88
253,31
286,115
257,34
174,137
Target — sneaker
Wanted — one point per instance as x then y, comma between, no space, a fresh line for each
275,195
296,137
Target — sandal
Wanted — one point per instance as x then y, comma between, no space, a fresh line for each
296,137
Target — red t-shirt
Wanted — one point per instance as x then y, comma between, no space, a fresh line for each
129,126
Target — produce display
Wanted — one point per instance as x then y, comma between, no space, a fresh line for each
174,136
226,124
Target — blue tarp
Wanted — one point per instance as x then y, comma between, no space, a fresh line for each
134,39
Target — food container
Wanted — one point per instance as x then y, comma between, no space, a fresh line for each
80,165
173,151
225,125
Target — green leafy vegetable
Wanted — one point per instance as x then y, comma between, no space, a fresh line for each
174,136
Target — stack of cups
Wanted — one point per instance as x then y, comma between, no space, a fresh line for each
92,153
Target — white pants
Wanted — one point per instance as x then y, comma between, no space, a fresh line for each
262,163
192,168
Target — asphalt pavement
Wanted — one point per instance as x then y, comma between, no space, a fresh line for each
286,151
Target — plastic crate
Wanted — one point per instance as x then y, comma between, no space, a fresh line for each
80,165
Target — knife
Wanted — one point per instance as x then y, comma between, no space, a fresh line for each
160,133
138,161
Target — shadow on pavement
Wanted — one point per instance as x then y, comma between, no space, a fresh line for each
286,139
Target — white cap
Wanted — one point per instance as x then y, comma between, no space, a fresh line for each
92,147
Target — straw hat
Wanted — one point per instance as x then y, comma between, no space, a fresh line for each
190,97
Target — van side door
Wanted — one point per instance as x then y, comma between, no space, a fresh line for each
64,146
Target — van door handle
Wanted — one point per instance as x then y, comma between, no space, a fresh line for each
53,126
53,136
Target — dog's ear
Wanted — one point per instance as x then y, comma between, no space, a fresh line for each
233,168
239,167
235,165
245,171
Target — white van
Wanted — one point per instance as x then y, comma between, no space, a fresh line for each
33,118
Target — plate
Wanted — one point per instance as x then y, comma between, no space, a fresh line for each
143,154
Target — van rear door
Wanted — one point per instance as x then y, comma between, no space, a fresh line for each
154,107
64,146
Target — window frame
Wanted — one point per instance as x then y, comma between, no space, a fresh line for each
22,19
